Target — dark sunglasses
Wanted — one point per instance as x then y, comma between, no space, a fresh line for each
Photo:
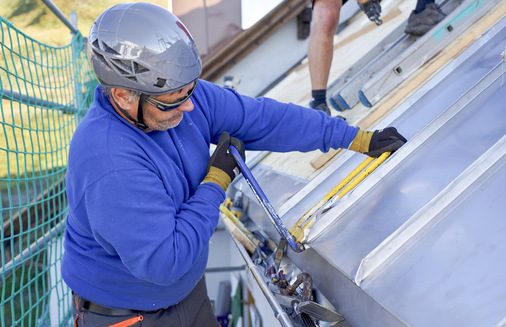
169,106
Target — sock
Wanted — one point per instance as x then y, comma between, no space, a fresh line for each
420,5
319,96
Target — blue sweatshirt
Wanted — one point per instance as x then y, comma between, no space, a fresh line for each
140,218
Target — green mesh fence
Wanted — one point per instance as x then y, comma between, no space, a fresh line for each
45,91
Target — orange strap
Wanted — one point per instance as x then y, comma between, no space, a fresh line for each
129,322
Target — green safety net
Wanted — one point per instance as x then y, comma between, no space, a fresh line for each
45,91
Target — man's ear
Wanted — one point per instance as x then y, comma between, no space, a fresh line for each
123,98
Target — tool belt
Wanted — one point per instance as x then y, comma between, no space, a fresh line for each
97,308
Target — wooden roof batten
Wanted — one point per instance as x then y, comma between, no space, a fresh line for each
224,57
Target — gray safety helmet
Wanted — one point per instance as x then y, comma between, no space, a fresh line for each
143,47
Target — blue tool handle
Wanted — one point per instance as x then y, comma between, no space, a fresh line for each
262,198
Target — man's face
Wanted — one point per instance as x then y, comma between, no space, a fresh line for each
159,120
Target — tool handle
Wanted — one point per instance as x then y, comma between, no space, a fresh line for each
262,198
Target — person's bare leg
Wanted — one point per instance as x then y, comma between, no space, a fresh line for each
320,44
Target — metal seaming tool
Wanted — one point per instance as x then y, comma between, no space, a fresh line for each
262,198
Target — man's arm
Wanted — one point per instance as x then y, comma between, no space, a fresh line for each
155,234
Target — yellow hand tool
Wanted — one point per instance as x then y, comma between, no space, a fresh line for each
239,224
301,229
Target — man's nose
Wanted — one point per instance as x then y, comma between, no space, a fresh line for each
186,106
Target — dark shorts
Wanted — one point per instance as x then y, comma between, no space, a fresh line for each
194,310
312,3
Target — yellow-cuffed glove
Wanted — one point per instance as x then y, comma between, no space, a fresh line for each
375,143
222,167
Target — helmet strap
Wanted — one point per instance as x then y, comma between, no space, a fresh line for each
140,117
139,122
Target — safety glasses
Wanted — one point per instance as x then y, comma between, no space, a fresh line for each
169,106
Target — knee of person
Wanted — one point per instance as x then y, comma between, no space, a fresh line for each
327,17
327,21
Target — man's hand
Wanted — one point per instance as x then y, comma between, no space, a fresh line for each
222,167
372,9
375,143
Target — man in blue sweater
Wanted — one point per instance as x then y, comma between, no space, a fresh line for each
143,193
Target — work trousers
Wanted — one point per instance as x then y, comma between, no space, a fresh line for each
194,310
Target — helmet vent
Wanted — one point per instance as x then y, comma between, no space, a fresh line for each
108,49
123,66
160,82
100,57
139,69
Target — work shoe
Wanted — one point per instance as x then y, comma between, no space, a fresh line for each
421,23
322,106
